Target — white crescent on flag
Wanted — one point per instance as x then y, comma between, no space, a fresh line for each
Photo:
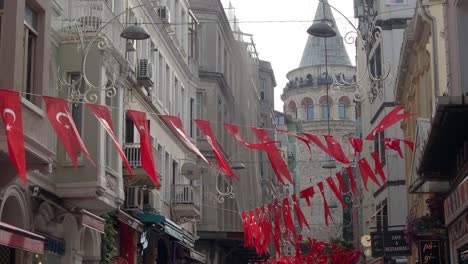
60,114
142,128
11,112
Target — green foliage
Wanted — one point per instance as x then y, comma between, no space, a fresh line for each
108,245
342,243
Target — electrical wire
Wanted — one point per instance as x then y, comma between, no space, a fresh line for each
269,21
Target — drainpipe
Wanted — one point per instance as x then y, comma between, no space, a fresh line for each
434,45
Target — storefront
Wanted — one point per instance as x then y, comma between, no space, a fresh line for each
443,169
14,239
167,242
129,237
456,219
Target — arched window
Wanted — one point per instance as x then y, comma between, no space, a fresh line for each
308,106
326,103
343,104
292,109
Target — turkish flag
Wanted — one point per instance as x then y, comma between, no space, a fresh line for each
10,107
147,159
62,121
389,120
325,204
274,155
176,124
333,147
102,114
209,135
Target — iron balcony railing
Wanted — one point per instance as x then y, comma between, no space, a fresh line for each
133,153
90,16
186,194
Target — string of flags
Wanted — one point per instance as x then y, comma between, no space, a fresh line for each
258,228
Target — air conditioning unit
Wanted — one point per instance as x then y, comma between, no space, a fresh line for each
134,199
154,202
145,73
164,14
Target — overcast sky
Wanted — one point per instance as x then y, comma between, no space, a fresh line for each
278,36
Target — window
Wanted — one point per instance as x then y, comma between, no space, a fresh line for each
310,112
129,130
342,110
77,109
379,147
29,52
160,77
167,176
325,111
182,106
396,2
193,53
192,117
375,63
279,120
176,97
263,84
381,217
328,157
167,89
198,110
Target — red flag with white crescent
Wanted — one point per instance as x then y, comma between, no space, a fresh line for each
147,159
389,120
10,108
176,124
205,128
367,173
325,204
60,118
102,114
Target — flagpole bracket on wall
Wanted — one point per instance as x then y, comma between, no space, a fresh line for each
221,195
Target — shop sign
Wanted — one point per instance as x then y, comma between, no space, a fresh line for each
92,221
14,240
389,243
429,252
456,202
459,228
54,246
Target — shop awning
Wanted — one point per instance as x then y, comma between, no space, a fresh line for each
130,221
449,128
195,255
12,236
439,159
170,227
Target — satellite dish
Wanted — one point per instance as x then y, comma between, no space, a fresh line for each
366,241
368,252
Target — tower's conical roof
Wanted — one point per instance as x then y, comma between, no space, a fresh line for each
314,51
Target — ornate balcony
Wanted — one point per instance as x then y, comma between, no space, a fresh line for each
185,201
132,151
89,17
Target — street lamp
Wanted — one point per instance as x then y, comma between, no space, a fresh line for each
89,94
135,32
326,30
322,29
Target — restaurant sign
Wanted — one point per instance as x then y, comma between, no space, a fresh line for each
389,243
430,252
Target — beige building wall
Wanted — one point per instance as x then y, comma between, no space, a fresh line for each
421,79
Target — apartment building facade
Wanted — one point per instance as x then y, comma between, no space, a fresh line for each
434,91
382,24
